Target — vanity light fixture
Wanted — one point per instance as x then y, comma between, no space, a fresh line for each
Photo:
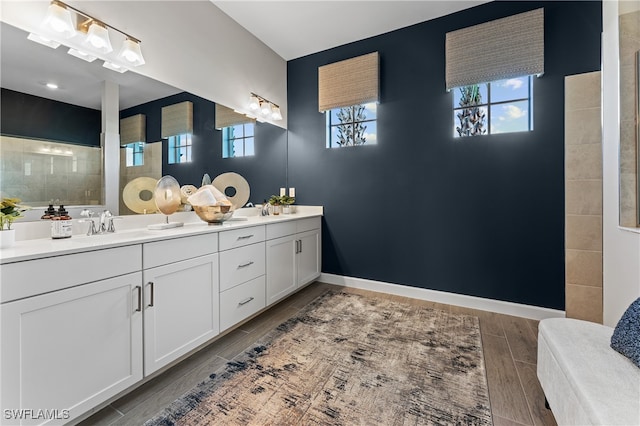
263,108
131,53
114,67
43,40
87,38
82,55
98,37
59,19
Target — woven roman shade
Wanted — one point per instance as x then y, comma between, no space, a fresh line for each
177,119
226,117
503,48
133,129
350,82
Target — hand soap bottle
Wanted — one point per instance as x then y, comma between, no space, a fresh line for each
61,225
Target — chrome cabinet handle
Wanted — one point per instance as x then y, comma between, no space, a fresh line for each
244,265
153,297
300,246
244,237
139,308
244,302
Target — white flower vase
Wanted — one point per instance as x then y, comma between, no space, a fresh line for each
7,238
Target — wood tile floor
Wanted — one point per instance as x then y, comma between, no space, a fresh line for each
510,348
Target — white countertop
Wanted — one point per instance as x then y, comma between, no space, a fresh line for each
47,247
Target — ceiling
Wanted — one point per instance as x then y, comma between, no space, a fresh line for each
297,28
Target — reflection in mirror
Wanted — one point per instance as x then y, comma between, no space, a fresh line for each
71,121
629,27
264,169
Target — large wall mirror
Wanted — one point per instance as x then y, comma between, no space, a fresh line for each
50,138
629,30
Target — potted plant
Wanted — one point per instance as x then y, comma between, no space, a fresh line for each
287,202
276,202
10,210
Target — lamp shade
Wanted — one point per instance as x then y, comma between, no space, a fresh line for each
98,38
254,103
59,20
275,113
131,53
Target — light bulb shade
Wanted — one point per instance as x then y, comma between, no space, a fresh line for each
131,53
59,20
254,103
98,38
43,40
275,113
265,108
82,55
115,67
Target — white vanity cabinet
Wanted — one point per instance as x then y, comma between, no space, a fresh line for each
293,256
242,274
181,297
71,349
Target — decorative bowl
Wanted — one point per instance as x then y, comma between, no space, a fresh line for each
213,214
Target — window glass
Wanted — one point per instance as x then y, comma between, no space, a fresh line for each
352,126
502,106
238,140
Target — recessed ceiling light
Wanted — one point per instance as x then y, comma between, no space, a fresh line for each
52,86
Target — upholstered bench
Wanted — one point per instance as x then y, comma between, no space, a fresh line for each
585,381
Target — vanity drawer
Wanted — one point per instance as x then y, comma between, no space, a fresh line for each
33,277
241,264
304,225
241,237
164,252
278,230
241,302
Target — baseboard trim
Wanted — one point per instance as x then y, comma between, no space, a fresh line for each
499,306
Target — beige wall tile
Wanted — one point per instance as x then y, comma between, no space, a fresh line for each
583,161
583,197
582,91
584,233
584,303
583,126
584,268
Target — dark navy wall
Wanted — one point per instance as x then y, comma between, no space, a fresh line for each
265,171
40,118
478,216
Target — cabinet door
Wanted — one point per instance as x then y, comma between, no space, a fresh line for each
71,349
181,303
308,257
281,268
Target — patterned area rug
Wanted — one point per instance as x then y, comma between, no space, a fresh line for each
349,359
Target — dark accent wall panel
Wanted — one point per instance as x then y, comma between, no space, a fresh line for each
41,118
265,171
479,216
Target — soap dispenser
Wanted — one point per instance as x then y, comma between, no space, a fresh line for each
49,213
61,225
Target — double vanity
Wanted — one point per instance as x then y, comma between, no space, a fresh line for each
87,318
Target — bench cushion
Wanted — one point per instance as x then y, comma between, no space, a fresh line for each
585,381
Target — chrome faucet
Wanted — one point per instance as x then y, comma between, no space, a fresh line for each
105,224
92,224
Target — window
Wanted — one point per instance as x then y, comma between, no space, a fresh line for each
180,148
134,154
502,106
352,126
237,141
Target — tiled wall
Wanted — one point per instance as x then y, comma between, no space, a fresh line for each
583,197
152,167
629,45
39,172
